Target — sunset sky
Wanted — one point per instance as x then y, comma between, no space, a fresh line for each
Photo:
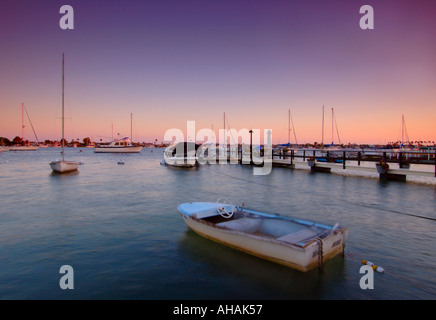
169,61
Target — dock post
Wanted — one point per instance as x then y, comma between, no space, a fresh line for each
251,147
358,158
401,160
343,161
304,156
292,157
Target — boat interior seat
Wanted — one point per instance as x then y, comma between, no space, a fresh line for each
248,225
298,236
278,228
209,212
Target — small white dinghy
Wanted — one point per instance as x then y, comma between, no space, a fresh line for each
296,243
62,166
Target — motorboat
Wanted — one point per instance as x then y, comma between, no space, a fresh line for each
182,154
296,243
119,145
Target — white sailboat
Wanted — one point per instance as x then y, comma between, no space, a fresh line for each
63,165
119,145
24,147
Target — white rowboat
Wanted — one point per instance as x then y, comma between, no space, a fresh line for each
296,243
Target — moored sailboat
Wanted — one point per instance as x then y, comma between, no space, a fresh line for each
62,166
24,147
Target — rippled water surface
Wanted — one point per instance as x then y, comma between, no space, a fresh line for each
119,228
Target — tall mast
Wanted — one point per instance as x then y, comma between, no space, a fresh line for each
224,137
30,121
402,129
63,84
322,138
22,121
289,126
404,134
295,134
131,135
333,134
336,125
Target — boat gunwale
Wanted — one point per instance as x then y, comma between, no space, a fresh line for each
265,237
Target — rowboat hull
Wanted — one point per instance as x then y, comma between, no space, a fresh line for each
300,256
64,166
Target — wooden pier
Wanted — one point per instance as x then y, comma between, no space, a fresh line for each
319,160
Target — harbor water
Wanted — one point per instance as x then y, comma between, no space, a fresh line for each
118,227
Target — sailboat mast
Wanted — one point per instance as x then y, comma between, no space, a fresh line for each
224,137
333,137
30,121
22,121
402,129
63,85
289,126
336,125
293,128
322,137
131,134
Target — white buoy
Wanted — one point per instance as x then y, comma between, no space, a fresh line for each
374,267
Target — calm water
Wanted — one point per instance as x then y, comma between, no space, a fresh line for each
119,228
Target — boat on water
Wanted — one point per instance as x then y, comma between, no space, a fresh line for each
119,145
62,166
24,147
182,154
296,243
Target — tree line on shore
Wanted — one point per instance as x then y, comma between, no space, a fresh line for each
86,142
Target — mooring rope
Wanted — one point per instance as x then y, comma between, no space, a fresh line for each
320,255
242,179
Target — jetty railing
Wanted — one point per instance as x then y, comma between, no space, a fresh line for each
402,157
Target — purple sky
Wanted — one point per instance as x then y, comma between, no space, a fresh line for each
172,61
